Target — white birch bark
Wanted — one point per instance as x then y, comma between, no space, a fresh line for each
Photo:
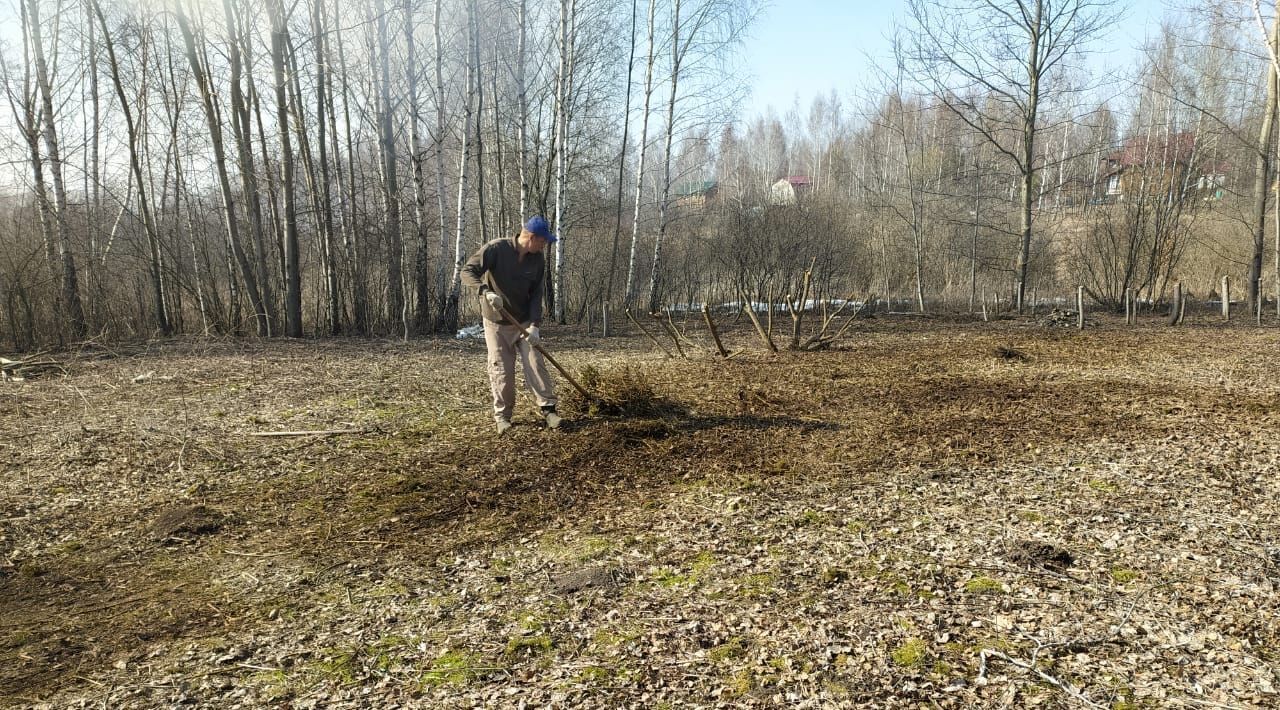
629,293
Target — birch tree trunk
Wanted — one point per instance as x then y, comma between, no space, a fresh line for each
292,268
93,285
522,120
630,293
459,246
156,264
421,274
229,216
442,294
390,180
568,11
69,289
677,54
477,87
28,119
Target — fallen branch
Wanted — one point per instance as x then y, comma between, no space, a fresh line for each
1064,686
313,432
34,366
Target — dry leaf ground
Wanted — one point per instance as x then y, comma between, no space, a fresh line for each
916,517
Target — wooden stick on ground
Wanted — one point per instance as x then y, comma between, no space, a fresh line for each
311,432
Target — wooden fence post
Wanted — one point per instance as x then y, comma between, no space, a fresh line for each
1175,309
1080,307
1226,298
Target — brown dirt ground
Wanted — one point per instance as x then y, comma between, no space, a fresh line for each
931,513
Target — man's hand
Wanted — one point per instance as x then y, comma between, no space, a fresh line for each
533,335
494,299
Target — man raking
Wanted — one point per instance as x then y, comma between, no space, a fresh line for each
508,274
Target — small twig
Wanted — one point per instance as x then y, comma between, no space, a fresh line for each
97,683
258,668
255,554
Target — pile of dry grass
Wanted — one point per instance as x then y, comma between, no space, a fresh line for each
626,391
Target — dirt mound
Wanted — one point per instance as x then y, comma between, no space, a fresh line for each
1033,553
183,521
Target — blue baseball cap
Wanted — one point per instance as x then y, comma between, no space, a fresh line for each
537,226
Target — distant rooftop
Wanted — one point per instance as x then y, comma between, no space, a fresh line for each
690,189
798,180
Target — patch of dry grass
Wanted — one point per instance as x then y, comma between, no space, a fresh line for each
875,486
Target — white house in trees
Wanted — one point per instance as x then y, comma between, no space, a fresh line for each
790,189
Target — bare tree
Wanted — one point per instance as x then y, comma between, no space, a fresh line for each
155,263
213,121
324,199
242,129
564,90
417,156
1263,159
445,320
292,272
69,295
995,63
452,303
629,294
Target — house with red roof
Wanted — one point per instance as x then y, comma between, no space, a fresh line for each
1159,165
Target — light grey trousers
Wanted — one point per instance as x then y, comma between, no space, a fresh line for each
503,343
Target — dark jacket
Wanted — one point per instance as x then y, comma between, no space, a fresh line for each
519,281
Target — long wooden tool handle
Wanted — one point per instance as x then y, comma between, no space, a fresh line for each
538,346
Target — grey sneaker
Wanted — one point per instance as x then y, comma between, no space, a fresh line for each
553,420
503,426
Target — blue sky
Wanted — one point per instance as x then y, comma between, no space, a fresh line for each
808,47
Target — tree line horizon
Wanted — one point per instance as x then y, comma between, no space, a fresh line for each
261,167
